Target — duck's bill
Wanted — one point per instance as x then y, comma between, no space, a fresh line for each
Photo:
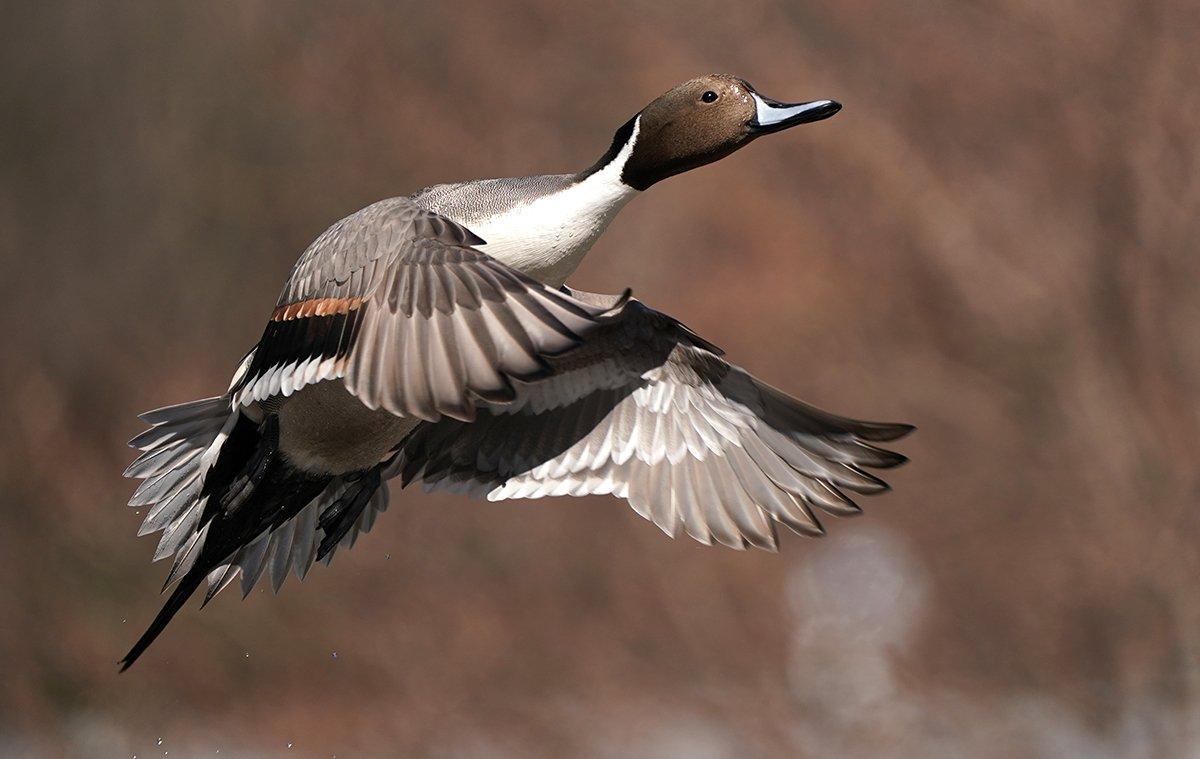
772,115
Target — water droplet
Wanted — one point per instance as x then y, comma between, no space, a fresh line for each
387,556
159,742
289,745
335,654
247,654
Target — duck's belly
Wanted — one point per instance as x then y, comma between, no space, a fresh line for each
323,429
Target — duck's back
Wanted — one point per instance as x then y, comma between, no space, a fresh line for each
485,198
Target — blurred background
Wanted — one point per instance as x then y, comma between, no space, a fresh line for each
996,240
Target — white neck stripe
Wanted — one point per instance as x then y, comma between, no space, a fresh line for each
613,170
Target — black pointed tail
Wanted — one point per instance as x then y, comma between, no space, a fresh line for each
187,586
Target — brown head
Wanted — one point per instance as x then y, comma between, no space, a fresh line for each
698,122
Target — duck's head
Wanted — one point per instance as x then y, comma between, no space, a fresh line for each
698,122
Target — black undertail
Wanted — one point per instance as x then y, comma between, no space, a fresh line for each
336,520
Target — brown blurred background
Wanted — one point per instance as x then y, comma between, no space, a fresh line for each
996,240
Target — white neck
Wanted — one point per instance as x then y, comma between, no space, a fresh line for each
547,238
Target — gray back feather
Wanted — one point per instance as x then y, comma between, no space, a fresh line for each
484,198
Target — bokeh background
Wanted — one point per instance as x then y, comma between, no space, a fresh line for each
996,240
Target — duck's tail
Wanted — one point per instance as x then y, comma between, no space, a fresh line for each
230,506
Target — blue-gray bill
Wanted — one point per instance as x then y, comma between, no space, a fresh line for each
772,116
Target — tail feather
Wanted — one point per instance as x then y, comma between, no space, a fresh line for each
218,580
187,586
173,464
185,558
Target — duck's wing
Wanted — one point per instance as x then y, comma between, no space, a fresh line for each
395,302
648,411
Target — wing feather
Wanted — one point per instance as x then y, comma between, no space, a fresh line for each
648,411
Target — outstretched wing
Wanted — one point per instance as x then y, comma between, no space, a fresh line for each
395,302
648,411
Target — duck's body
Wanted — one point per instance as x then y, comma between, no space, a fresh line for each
542,226
432,337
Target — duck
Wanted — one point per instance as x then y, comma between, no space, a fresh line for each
432,339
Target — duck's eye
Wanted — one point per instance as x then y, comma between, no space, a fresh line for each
709,96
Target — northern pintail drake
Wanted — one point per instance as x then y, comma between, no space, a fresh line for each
432,338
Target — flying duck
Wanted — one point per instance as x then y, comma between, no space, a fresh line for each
432,338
